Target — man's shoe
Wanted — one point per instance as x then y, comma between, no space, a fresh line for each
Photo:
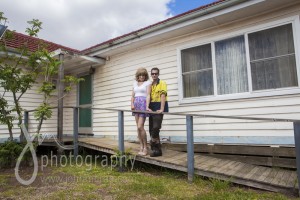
156,150
155,153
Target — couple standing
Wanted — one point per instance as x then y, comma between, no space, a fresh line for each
149,96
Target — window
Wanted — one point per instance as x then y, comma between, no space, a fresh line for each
231,66
272,58
197,68
222,67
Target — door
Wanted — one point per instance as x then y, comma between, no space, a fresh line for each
85,100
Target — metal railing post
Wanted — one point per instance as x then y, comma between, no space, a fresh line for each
190,147
121,131
297,148
75,129
121,137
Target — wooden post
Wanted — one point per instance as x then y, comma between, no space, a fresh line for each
75,129
60,115
297,148
26,123
190,147
26,119
121,138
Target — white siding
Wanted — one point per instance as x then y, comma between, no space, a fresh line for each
30,101
113,85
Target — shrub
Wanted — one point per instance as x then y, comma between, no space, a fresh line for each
10,151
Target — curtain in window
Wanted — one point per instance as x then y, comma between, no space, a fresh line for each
197,71
231,66
272,58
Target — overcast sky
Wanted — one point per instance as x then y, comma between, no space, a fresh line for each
80,24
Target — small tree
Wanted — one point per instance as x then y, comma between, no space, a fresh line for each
49,71
19,70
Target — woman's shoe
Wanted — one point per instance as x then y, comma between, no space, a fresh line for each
141,151
144,152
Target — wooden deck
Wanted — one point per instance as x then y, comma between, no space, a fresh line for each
272,179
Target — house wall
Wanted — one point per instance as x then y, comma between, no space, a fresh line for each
69,100
113,85
30,101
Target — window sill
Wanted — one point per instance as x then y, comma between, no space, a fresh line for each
240,96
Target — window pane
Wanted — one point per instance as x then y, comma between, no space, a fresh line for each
198,84
274,73
85,117
197,71
272,42
85,90
272,58
231,66
196,58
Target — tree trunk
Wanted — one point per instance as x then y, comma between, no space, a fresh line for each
11,137
40,125
19,112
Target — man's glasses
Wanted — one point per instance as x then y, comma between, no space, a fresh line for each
154,74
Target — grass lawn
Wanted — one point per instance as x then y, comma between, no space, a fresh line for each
144,182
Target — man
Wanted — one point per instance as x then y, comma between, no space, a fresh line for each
159,104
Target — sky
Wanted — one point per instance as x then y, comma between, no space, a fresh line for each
80,24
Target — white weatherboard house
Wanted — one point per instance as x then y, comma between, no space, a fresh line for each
231,58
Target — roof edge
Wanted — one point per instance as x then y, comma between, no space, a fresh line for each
24,36
197,12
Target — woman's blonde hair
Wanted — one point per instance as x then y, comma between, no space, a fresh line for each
141,71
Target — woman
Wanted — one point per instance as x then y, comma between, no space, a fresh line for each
140,101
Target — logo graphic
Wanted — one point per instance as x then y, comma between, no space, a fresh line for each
34,157
63,160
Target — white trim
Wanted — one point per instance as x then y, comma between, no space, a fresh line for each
179,77
214,68
92,98
294,20
100,61
246,95
296,31
248,63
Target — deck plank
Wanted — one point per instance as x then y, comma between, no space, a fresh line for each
278,177
293,181
264,175
271,176
285,178
246,171
259,173
225,166
235,168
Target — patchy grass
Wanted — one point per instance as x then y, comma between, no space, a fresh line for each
74,182
3,180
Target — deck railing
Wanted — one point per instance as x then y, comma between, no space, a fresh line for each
189,132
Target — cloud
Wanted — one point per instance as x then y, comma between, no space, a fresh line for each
80,24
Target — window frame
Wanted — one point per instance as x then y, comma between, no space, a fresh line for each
294,20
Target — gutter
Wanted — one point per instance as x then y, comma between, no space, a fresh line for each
180,19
